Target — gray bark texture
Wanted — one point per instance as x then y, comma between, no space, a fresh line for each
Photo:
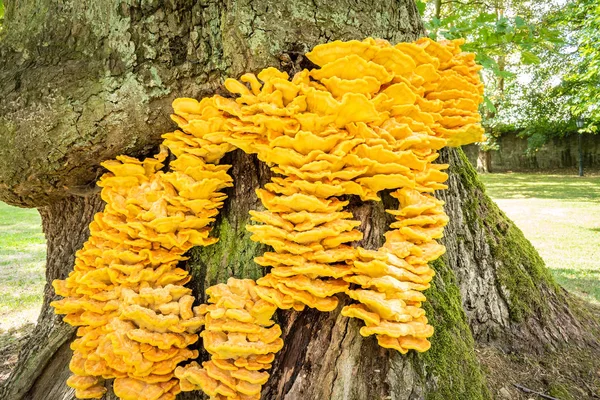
84,81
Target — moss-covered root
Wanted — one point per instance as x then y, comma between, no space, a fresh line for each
521,273
450,367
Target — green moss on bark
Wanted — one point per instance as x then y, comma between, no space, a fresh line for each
450,366
233,256
520,271
466,173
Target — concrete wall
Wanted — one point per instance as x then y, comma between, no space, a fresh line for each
557,154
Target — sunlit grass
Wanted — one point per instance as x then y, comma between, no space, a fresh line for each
22,256
560,215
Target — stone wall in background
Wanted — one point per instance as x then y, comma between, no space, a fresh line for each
560,153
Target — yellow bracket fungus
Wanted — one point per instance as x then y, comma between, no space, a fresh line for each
372,117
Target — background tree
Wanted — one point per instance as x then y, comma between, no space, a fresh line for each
566,80
82,82
506,35
540,64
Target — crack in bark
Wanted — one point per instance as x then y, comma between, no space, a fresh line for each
335,368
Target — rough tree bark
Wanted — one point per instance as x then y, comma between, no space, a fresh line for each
85,81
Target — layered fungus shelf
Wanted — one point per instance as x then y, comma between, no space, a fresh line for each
372,117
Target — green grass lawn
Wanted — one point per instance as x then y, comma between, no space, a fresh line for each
560,215
22,256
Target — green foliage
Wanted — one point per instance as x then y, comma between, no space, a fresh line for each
581,82
564,86
541,62
421,6
495,31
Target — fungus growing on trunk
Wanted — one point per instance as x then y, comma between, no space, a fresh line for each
372,117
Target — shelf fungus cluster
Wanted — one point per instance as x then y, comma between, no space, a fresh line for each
371,117
135,319
242,340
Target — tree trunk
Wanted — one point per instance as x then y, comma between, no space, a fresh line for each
484,161
491,288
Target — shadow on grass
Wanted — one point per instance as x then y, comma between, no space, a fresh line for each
585,282
520,186
13,302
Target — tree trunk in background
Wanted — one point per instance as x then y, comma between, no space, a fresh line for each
491,288
484,161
